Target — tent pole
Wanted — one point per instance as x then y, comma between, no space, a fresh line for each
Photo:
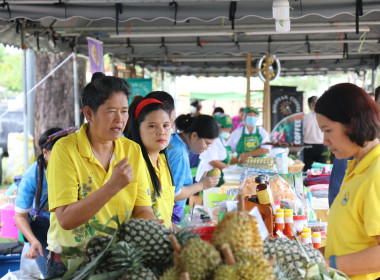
76,96
113,65
248,70
266,105
25,96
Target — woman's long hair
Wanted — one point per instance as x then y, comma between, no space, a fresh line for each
134,134
42,143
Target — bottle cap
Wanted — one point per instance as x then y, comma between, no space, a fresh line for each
279,215
306,229
289,211
279,210
305,234
316,234
288,215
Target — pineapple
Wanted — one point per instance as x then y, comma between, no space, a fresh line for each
240,230
153,239
94,246
290,257
142,273
150,236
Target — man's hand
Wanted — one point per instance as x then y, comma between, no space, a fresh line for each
122,174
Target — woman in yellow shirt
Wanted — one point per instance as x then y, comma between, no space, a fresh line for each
350,121
149,126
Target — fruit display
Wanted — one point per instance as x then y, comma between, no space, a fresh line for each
142,249
290,256
257,164
240,231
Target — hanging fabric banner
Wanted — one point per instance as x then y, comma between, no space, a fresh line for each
95,54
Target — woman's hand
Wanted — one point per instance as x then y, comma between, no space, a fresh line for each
208,182
35,247
122,174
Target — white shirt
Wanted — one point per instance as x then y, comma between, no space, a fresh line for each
311,131
216,151
237,133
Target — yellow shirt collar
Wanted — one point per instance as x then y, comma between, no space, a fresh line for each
364,163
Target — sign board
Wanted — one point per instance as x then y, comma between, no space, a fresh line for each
286,115
139,86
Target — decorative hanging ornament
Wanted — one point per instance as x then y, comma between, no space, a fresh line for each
274,68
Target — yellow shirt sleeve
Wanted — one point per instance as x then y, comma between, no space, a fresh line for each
371,211
61,178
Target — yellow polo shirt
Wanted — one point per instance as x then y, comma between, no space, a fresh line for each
74,173
354,218
163,205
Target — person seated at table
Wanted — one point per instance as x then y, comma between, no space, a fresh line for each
247,141
219,153
95,174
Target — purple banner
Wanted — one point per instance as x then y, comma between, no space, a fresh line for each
95,54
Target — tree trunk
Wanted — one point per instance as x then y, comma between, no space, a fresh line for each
54,99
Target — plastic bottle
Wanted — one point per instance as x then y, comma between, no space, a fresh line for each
306,238
307,230
288,230
263,191
279,223
316,240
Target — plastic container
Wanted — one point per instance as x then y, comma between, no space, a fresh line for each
9,228
306,238
205,232
316,239
299,222
317,226
11,263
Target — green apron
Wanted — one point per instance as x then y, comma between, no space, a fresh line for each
249,142
227,160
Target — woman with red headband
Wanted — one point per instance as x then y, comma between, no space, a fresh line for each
95,174
150,127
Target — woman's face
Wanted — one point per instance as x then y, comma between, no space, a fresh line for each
111,117
335,137
198,145
155,131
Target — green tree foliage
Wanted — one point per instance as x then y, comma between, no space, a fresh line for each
11,70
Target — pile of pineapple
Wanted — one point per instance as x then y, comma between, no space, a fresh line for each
143,249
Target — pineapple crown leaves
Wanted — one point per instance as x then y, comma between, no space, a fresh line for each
86,271
125,256
105,228
185,234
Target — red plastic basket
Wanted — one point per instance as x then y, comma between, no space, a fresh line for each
205,232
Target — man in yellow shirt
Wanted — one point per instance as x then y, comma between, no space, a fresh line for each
94,174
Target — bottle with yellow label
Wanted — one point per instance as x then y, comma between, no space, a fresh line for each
264,193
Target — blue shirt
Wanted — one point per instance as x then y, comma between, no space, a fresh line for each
26,193
178,157
336,178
